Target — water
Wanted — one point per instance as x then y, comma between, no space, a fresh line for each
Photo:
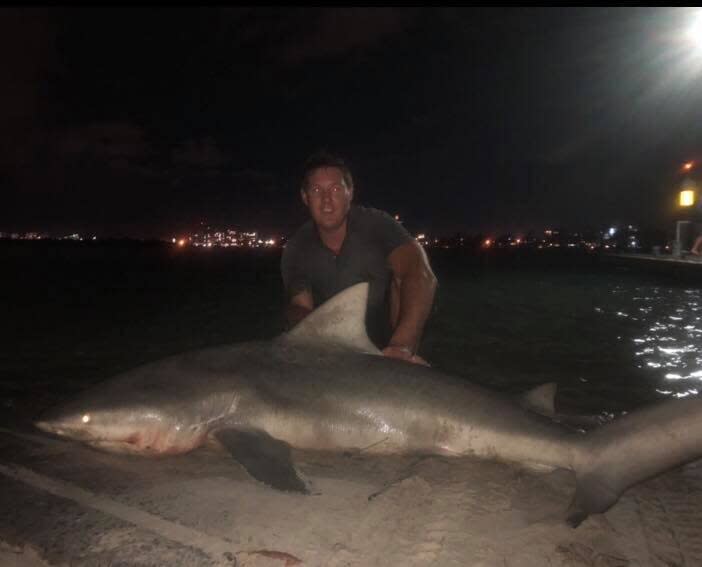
73,314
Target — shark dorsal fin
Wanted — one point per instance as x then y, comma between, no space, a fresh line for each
339,321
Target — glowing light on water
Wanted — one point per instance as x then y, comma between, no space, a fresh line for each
671,350
686,394
668,344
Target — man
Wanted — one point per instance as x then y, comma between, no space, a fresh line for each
344,244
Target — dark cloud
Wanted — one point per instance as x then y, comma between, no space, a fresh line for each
27,43
107,140
203,153
127,117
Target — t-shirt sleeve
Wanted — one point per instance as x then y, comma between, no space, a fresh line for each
292,270
388,232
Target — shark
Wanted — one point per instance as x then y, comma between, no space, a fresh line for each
325,386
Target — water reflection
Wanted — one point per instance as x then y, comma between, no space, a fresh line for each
666,341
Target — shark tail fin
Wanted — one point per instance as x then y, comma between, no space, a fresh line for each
631,449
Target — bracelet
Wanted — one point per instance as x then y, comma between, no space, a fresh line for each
405,349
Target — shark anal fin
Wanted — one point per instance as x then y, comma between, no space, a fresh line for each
265,458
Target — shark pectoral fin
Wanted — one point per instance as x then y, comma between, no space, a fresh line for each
264,458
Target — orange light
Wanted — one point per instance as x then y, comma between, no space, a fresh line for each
181,242
688,165
487,243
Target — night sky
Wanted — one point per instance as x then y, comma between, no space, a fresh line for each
145,122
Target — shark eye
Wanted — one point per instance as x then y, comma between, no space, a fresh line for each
86,418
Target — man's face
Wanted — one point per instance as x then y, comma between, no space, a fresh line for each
327,197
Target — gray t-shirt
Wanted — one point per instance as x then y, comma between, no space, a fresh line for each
307,264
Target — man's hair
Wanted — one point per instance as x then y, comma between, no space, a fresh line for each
323,158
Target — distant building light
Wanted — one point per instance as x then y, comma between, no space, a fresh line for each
612,231
688,165
421,236
687,198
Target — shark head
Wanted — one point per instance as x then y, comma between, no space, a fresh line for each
113,427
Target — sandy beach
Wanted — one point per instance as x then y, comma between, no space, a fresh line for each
70,505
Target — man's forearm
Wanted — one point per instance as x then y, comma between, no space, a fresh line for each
416,295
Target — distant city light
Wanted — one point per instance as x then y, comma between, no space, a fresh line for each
613,237
688,166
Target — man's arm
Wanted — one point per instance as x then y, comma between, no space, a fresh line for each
300,305
414,284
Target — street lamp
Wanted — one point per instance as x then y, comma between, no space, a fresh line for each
687,198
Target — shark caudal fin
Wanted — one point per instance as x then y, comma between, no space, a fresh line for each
632,449
339,321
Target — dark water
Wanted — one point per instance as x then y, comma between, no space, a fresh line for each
73,314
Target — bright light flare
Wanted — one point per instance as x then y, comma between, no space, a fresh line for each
693,33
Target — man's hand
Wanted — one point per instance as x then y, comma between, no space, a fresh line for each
403,353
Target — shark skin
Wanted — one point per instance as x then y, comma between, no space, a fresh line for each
325,386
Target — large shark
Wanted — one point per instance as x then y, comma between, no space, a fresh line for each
325,386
